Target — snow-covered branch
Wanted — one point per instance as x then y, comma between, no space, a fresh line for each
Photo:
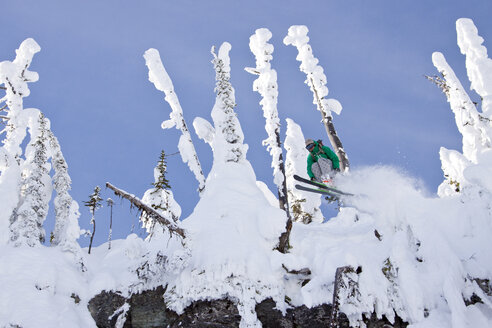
473,129
172,226
316,79
162,82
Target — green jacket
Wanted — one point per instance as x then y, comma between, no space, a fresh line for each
326,153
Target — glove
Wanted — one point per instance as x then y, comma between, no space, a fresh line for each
313,179
337,169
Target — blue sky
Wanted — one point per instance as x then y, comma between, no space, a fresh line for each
93,82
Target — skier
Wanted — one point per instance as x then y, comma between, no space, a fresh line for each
322,162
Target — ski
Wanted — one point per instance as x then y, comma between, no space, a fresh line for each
319,191
321,185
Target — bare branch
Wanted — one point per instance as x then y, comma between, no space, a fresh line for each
135,201
251,70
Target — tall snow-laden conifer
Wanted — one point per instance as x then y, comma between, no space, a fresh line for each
304,206
316,80
225,137
475,126
233,219
161,199
266,85
161,80
14,76
227,128
27,220
22,172
67,229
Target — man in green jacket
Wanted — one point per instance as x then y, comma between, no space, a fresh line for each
321,160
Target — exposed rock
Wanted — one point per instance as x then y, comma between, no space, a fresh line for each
147,310
485,286
301,316
103,306
316,317
210,314
76,298
375,322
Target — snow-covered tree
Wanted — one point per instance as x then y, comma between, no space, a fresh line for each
27,219
25,184
161,80
460,169
233,220
227,128
266,85
161,199
226,136
14,76
94,203
67,229
304,206
316,80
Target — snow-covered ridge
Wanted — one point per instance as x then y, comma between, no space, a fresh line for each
415,256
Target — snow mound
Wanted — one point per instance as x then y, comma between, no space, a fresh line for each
417,254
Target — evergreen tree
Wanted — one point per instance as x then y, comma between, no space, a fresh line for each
14,76
160,198
27,220
24,177
227,127
161,182
94,203
67,230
